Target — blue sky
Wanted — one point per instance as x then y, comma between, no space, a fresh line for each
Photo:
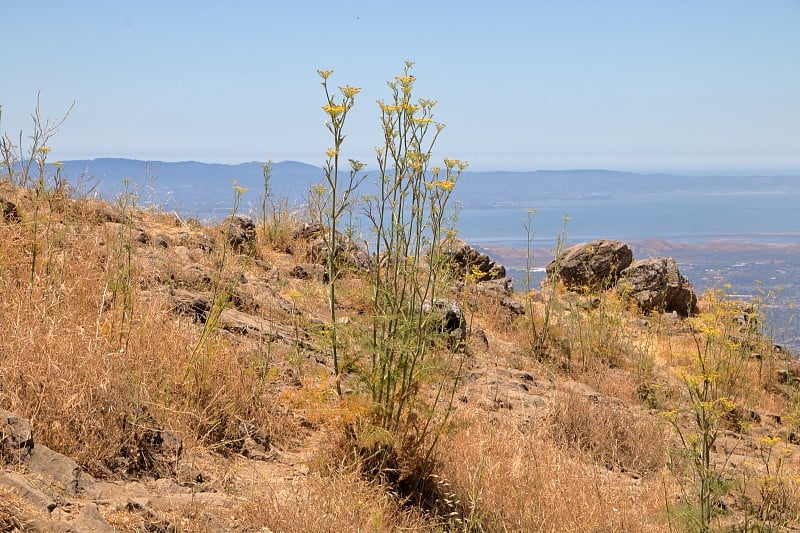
676,86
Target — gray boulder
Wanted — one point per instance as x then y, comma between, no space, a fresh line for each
446,317
308,271
595,265
16,438
467,261
345,250
657,284
501,290
9,211
240,230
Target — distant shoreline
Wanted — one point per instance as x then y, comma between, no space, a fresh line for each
515,257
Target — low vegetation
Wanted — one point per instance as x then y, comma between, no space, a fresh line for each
283,378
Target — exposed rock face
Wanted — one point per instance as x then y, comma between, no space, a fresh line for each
501,290
8,211
470,262
344,249
447,317
308,271
43,508
596,264
16,438
240,231
97,211
190,304
489,275
656,284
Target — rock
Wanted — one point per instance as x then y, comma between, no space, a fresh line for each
446,317
125,233
243,324
98,211
594,265
161,240
16,438
657,284
496,288
311,271
89,519
789,375
8,211
501,290
345,250
478,341
151,449
17,484
190,304
194,275
240,230
466,261
60,471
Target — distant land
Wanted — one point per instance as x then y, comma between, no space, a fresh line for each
188,184
743,230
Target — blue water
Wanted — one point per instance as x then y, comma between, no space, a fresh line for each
683,217
683,210
679,217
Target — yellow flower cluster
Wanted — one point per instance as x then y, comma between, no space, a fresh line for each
451,163
769,442
388,108
334,110
443,185
670,415
725,404
238,189
331,152
427,103
44,149
324,74
350,92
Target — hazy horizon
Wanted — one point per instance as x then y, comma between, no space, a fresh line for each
709,171
688,87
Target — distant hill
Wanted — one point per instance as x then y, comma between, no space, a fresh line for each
191,186
194,188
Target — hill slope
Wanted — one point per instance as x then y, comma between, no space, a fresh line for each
175,378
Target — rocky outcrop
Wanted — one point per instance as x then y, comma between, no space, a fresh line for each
308,271
240,231
47,504
595,265
446,317
501,290
467,261
488,275
344,249
97,211
657,284
8,211
16,438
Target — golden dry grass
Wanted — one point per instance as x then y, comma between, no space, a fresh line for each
95,357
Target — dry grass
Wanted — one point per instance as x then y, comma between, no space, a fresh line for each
335,502
619,438
525,480
87,378
95,357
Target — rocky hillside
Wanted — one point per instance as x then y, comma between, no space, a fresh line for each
157,374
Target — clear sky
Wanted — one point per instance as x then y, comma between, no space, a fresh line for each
675,86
